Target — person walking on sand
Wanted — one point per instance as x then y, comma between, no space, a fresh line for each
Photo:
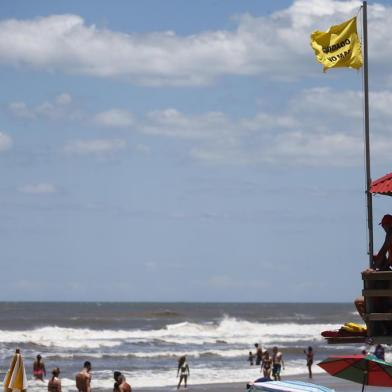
309,360
54,384
39,370
266,366
123,386
277,363
83,378
183,371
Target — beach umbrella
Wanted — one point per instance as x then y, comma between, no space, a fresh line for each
365,370
15,378
288,386
383,185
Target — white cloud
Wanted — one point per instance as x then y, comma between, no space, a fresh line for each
20,109
117,118
306,132
63,99
58,108
37,189
171,122
277,45
5,141
97,146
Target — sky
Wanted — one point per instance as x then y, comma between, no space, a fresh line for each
186,151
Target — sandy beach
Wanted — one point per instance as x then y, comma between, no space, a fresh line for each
322,379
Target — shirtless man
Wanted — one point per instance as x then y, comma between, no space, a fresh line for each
123,386
83,378
277,363
382,261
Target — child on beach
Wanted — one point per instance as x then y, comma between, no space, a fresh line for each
309,360
251,358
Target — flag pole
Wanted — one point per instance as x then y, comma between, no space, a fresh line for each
367,144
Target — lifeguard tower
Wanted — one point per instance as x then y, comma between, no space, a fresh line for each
377,286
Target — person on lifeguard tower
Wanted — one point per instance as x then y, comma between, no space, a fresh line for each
382,261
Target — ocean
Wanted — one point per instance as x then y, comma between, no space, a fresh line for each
144,340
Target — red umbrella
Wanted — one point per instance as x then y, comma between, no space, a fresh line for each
365,370
383,185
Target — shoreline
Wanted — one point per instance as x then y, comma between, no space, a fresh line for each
319,378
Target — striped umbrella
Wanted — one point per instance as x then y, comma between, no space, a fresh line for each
15,379
288,386
365,370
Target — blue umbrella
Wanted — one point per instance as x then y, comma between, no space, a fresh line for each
288,386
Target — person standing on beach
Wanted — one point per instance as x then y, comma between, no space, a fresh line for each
309,360
251,358
39,370
83,378
258,354
116,375
123,386
277,363
183,371
54,384
266,365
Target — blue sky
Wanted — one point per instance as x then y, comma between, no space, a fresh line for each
185,151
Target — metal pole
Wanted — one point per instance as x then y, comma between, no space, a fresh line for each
367,143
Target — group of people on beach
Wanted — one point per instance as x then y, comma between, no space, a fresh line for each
269,363
272,364
82,378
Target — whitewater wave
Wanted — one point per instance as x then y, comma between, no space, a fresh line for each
229,330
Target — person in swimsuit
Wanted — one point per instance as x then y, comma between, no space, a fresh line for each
123,386
382,261
309,360
116,375
183,371
267,365
39,370
277,363
258,354
54,384
83,378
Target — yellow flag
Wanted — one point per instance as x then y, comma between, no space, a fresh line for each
339,46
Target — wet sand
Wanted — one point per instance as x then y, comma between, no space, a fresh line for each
322,379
